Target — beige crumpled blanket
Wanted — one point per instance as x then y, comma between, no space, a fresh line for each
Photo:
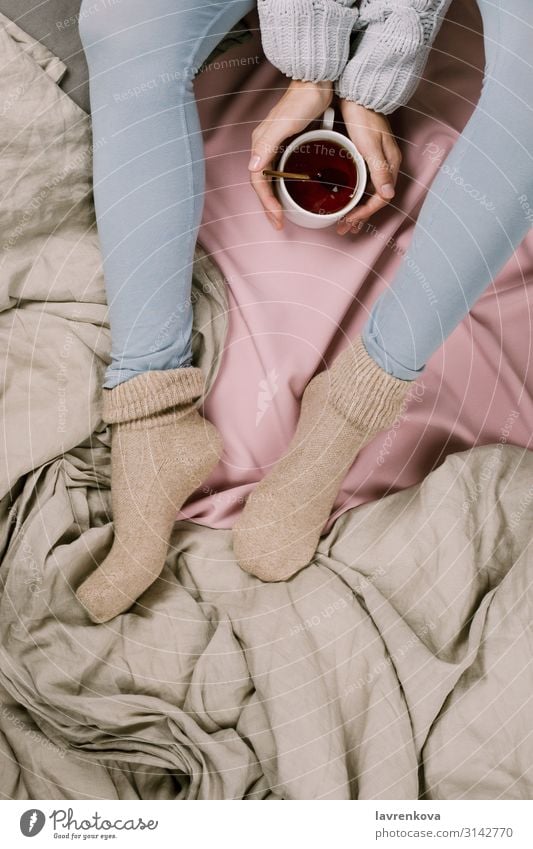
397,665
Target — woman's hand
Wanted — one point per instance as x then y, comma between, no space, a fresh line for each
371,134
301,104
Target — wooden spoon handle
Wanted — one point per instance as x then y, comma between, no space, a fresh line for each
287,175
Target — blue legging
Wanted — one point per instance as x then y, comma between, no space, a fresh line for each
477,211
148,166
149,183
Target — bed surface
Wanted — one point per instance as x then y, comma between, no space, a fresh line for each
399,663
54,23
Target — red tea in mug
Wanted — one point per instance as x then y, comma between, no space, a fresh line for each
333,175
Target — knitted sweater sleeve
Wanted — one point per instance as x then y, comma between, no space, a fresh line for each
307,39
390,51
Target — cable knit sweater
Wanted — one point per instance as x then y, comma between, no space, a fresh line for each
374,50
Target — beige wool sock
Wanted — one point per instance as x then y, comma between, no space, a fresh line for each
161,451
342,409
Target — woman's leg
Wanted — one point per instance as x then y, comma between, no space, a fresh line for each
149,167
477,212
148,188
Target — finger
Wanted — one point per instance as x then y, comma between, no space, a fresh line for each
296,109
266,144
344,227
367,209
394,156
272,206
361,213
380,172
270,135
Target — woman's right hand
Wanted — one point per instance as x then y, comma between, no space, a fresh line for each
301,103
372,135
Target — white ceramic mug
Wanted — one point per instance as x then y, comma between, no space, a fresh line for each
293,211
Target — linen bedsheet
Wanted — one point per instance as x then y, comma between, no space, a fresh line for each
397,665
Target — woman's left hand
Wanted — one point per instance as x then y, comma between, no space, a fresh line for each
301,103
372,135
